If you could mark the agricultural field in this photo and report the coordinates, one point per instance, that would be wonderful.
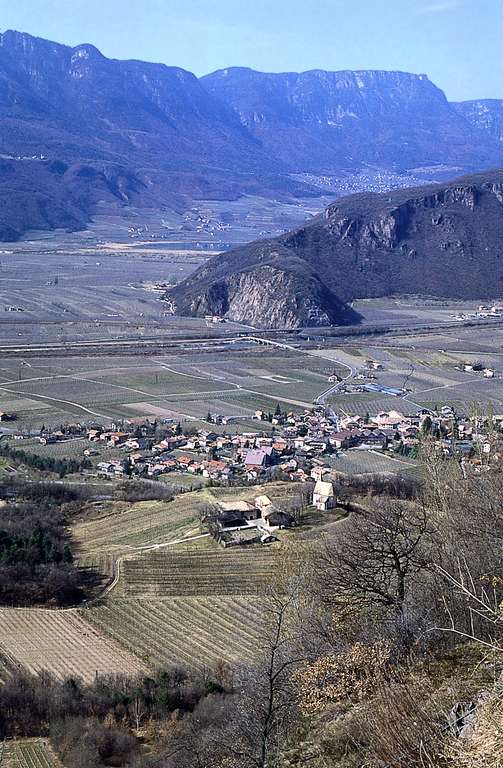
(235, 380)
(61, 642)
(370, 462)
(432, 377)
(110, 525)
(371, 403)
(408, 310)
(28, 753)
(182, 386)
(198, 632)
(200, 571)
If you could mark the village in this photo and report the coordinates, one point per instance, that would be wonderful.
(286, 445)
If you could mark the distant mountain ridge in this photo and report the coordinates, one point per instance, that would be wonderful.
(323, 121)
(79, 129)
(443, 240)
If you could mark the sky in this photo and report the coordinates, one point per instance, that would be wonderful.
(455, 42)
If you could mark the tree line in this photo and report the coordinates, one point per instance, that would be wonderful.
(36, 557)
(60, 467)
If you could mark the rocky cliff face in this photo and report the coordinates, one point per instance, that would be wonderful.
(114, 107)
(231, 133)
(330, 120)
(270, 297)
(485, 115)
(439, 240)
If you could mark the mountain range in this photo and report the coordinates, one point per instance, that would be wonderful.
(79, 129)
(442, 240)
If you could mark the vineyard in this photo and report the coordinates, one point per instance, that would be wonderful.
(197, 572)
(61, 642)
(120, 524)
(8, 665)
(103, 562)
(29, 753)
(197, 632)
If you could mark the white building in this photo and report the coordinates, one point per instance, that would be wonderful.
(324, 496)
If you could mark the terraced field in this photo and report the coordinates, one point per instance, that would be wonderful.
(61, 642)
(197, 632)
(28, 753)
(119, 524)
(371, 403)
(200, 571)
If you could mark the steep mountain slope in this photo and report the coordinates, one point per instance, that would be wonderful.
(440, 240)
(153, 136)
(322, 121)
(486, 115)
(74, 101)
(157, 124)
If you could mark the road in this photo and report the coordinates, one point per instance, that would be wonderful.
(143, 548)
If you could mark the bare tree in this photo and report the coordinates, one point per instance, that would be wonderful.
(483, 599)
(249, 728)
(376, 555)
(137, 710)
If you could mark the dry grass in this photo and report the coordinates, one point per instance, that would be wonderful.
(483, 748)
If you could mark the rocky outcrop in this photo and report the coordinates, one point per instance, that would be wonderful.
(268, 297)
(485, 115)
(438, 240)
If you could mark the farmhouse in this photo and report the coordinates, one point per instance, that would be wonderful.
(263, 503)
(259, 458)
(110, 468)
(345, 439)
(271, 518)
(236, 513)
(114, 439)
(214, 469)
(391, 419)
(319, 470)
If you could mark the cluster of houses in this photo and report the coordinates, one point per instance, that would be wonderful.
(477, 367)
(243, 522)
(301, 446)
(304, 446)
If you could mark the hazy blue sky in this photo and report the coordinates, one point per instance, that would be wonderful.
(456, 42)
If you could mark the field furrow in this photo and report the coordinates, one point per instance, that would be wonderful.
(197, 632)
(200, 572)
(61, 642)
(28, 753)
